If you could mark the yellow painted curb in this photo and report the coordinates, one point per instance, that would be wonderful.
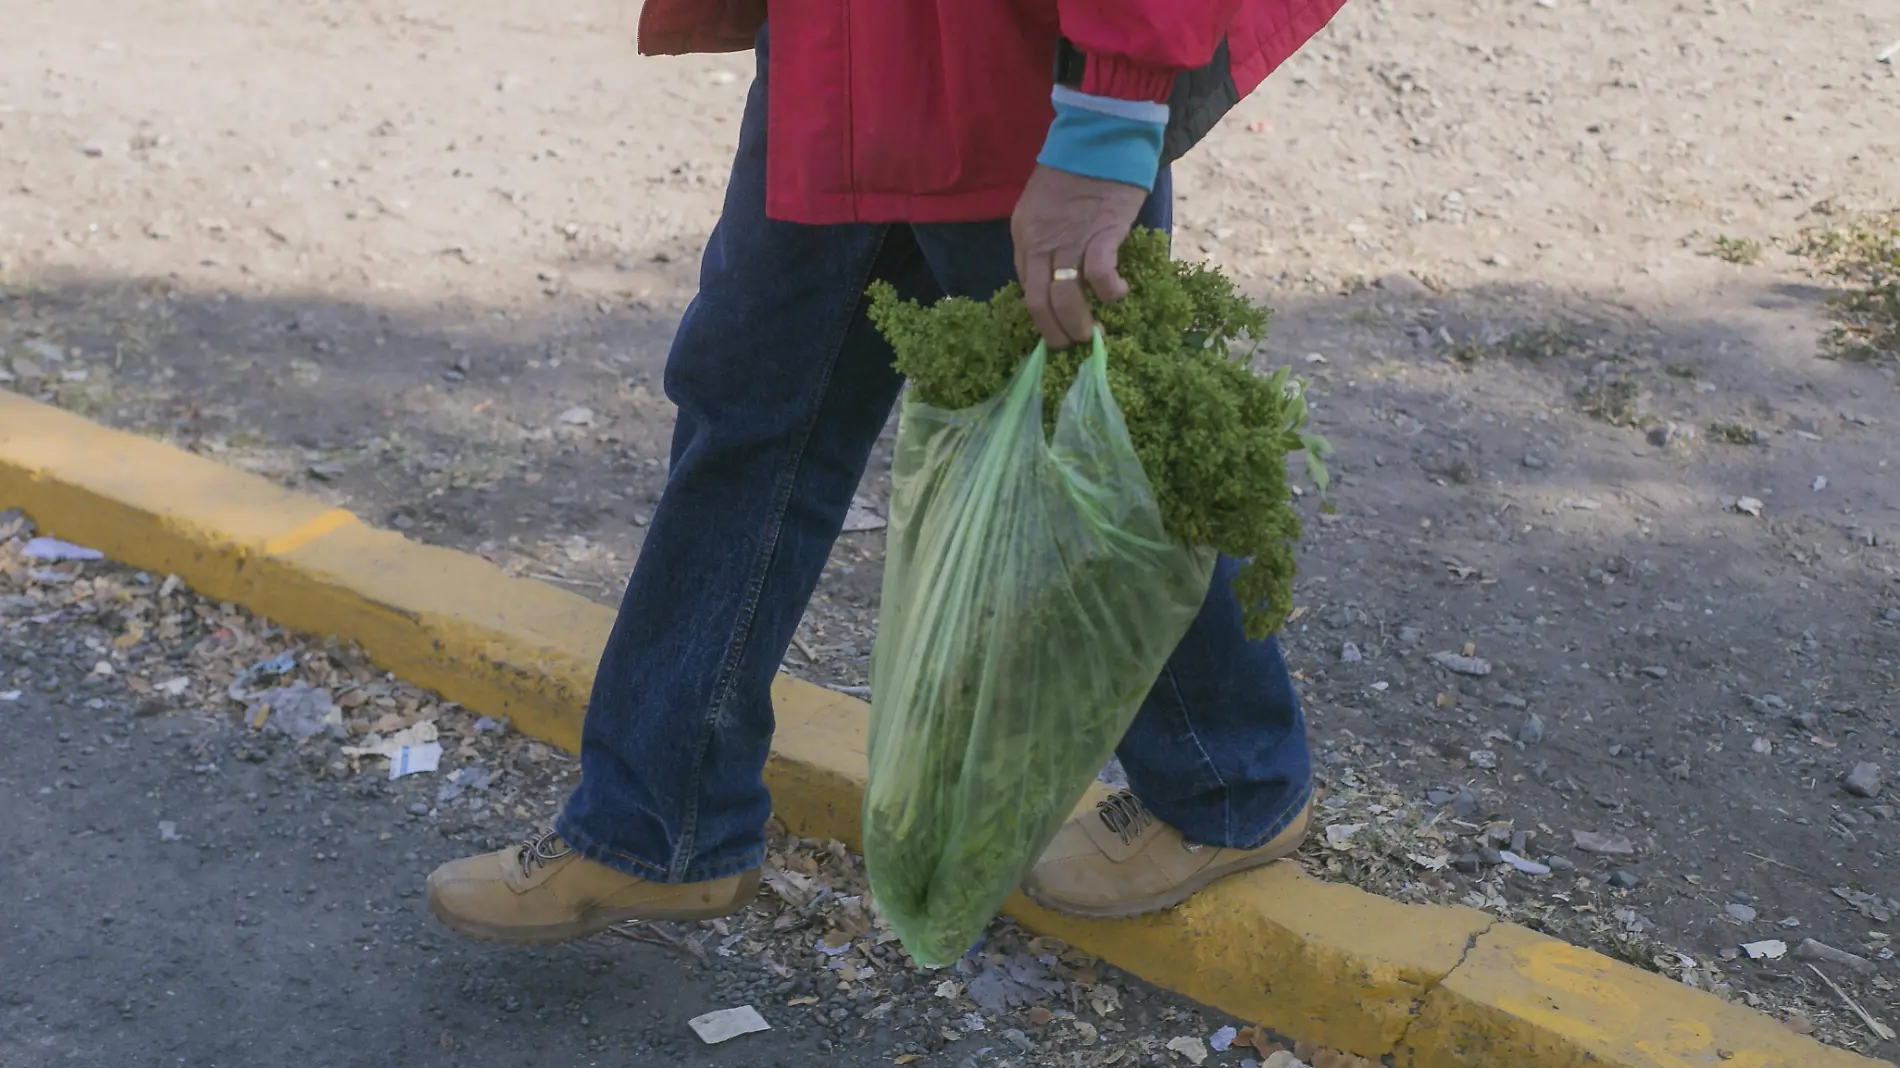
(1431, 987)
(1523, 998)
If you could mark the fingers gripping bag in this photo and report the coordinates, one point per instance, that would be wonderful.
(1031, 598)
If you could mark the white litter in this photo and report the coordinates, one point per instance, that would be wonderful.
(1191, 1048)
(1223, 1040)
(411, 751)
(1338, 834)
(12, 695)
(728, 1024)
(1770, 949)
(53, 550)
(415, 759)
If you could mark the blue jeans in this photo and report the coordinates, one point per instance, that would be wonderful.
(783, 387)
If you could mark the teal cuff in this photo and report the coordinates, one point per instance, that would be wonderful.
(1100, 137)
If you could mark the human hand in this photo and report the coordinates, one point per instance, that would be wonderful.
(1068, 230)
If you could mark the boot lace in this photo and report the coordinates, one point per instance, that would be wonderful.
(540, 849)
(1125, 816)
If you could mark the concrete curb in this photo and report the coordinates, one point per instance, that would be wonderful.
(1426, 986)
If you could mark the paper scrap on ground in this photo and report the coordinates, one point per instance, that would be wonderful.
(53, 550)
(727, 1024)
(1339, 834)
(410, 751)
(12, 695)
(415, 759)
(1769, 949)
(1192, 1048)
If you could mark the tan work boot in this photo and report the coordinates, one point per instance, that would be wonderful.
(1120, 861)
(542, 891)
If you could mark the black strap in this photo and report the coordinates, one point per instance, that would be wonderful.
(1071, 64)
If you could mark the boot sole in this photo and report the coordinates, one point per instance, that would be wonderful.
(593, 923)
(1128, 910)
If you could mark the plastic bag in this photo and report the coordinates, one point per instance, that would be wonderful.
(1030, 601)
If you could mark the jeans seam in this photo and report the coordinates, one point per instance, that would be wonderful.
(727, 680)
(1227, 799)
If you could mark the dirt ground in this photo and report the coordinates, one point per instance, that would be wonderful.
(1539, 259)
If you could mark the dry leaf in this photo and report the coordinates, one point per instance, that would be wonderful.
(1257, 1038)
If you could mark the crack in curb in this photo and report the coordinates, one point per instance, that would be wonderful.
(1418, 1003)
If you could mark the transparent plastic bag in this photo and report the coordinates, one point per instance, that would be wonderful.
(1031, 599)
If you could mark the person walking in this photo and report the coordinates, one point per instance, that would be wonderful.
(947, 147)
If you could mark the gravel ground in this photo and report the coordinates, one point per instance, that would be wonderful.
(217, 891)
(1552, 270)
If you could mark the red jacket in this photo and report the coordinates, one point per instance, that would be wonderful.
(934, 110)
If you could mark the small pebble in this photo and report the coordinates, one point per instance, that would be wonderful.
(1625, 880)
(1737, 911)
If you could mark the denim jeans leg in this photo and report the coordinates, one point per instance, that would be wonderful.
(782, 387)
(1219, 751)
